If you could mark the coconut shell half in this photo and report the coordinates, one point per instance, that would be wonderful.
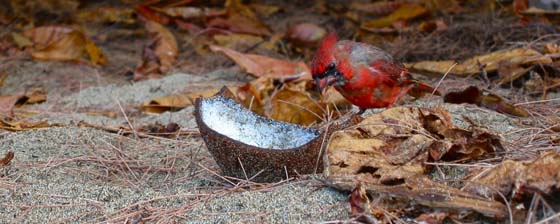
(251, 147)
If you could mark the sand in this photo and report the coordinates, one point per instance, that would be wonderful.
(82, 175)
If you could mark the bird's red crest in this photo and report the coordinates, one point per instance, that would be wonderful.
(324, 55)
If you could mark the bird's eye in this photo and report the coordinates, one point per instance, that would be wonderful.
(331, 66)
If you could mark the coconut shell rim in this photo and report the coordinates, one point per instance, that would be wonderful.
(226, 93)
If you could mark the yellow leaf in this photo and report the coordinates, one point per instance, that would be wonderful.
(21, 41)
(404, 12)
(175, 102)
(95, 54)
(68, 48)
(489, 62)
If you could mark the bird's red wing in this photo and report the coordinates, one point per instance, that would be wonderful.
(393, 71)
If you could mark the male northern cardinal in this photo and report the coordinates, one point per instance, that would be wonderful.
(365, 75)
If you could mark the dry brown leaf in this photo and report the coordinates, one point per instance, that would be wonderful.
(305, 34)
(294, 106)
(431, 218)
(191, 12)
(510, 72)
(159, 56)
(541, 175)
(148, 13)
(174, 102)
(237, 41)
(359, 200)
(379, 8)
(68, 48)
(261, 66)
(53, 8)
(21, 41)
(7, 159)
(23, 126)
(404, 13)
(414, 190)
(169, 130)
(446, 6)
(290, 103)
(294, 102)
(264, 10)
(473, 95)
(45, 35)
(237, 7)
(488, 63)
(7, 103)
(108, 15)
(96, 56)
(240, 24)
(63, 44)
(386, 152)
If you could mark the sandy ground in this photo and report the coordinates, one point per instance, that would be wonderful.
(74, 174)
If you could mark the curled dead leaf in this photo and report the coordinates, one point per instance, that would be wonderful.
(240, 24)
(11, 125)
(150, 14)
(387, 153)
(405, 13)
(7, 159)
(474, 95)
(488, 63)
(63, 44)
(191, 12)
(159, 56)
(305, 34)
(174, 102)
(7, 103)
(520, 177)
(259, 65)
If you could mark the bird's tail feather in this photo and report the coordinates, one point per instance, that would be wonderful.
(420, 89)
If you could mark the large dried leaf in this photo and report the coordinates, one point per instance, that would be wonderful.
(305, 34)
(293, 102)
(159, 56)
(404, 13)
(386, 152)
(29, 10)
(69, 48)
(174, 102)
(107, 15)
(488, 63)
(7, 103)
(237, 41)
(7, 159)
(63, 44)
(261, 66)
(45, 35)
(473, 95)
(24, 126)
(150, 14)
(191, 12)
(294, 106)
(416, 190)
(237, 7)
(240, 24)
(264, 10)
(379, 8)
(541, 175)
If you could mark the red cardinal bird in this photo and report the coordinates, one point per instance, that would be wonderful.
(365, 75)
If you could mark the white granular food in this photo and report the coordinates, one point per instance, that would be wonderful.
(229, 118)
